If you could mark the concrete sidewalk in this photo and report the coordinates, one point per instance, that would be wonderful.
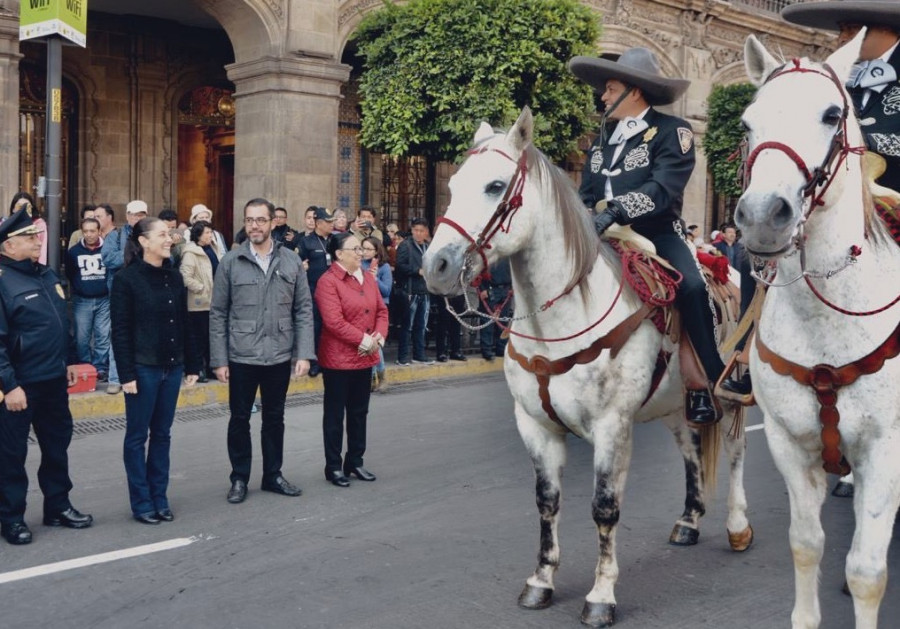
(100, 404)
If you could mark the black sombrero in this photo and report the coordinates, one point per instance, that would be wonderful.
(636, 66)
(829, 15)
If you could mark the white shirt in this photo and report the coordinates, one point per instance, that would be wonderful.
(885, 57)
(607, 190)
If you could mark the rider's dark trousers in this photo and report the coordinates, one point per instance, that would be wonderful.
(693, 301)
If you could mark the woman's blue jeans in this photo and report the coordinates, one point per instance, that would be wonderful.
(150, 411)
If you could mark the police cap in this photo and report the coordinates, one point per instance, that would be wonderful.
(19, 224)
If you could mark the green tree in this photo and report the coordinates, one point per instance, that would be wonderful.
(434, 69)
(725, 105)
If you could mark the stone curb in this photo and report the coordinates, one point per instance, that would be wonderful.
(100, 404)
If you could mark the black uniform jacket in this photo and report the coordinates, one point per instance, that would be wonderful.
(880, 124)
(35, 343)
(313, 249)
(649, 176)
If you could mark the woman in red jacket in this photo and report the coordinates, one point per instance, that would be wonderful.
(354, 326)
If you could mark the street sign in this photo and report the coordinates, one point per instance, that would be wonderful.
(41, 18)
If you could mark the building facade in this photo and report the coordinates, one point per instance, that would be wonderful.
(180, 102)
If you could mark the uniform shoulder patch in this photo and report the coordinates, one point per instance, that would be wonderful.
(685, 139)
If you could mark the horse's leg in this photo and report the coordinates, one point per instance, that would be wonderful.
(740, 533)
(875, 503)
(612, 454)
(806, 484)
(547, 449)
(687, 528)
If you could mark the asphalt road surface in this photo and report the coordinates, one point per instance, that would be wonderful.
(445, 538)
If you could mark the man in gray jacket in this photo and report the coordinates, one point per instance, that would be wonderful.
(260, 324)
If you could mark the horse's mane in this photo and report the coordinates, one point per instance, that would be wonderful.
(581, 242)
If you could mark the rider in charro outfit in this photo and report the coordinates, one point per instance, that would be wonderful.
(636, 175)
(874, 85)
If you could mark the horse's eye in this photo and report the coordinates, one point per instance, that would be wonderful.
(832, 116)
(495, 187)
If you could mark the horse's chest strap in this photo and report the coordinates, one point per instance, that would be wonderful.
(826, 380)
(542, 367)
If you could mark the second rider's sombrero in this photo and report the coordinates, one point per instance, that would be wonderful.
(636, 66)
(829, 15)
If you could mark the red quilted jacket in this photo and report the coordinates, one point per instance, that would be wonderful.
(348, 311)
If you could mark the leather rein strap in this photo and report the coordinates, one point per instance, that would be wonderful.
(542, 367)
(826, 380)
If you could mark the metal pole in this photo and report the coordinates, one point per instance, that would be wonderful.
(52, 164)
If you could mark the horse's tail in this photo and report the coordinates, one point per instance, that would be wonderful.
(710, 444)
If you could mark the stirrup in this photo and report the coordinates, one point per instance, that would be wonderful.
(732, 365)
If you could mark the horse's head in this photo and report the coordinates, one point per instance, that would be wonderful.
(800, 128)
(475, 229)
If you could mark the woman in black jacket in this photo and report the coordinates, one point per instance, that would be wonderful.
(153, 351)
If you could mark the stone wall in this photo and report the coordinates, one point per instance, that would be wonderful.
(282, 58)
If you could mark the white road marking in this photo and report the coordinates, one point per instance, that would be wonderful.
(92, 560)
(753, 427)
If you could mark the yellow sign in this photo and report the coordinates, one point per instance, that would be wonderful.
(41, 18)
(57, 105)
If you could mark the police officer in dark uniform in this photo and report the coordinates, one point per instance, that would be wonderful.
(636, 174)
(313, 250)
(35, 351)
(874, 85)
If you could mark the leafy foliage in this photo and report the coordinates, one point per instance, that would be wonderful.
(725, 105)
(434, 69)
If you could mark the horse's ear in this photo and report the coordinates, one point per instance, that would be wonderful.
(843, 59)
(522, 132)
(757, 61)
(484, 132)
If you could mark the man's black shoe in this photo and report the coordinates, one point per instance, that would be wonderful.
(147, 518)
(238, 492)
(701, 409)
(458, 356)
(442, 358)
(488, 357)
(336, 477)
(16, 533)
(314, 370)
(70, 518)
(280, 485)
(741, 386)
(165, 515)
(360, 472)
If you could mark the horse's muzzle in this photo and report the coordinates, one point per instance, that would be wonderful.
(767, 221)
(443, 268)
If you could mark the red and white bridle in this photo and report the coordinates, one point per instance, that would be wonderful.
(501, 219)
(818, 180)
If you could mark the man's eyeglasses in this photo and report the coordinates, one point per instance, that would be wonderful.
(353, 249)
(259, 220)
(279, 217)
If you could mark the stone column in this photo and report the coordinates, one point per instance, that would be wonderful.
(286, 131)
(9, 108)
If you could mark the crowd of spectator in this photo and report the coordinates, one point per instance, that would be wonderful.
(156, 304)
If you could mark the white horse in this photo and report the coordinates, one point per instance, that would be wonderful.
(594, 383)
(828, 336)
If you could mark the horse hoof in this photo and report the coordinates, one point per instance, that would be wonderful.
(843, 490)
(533, 597)
(741, 540)
(684, 536)
(598, 614)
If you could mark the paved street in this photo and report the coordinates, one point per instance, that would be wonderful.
(444, 538)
